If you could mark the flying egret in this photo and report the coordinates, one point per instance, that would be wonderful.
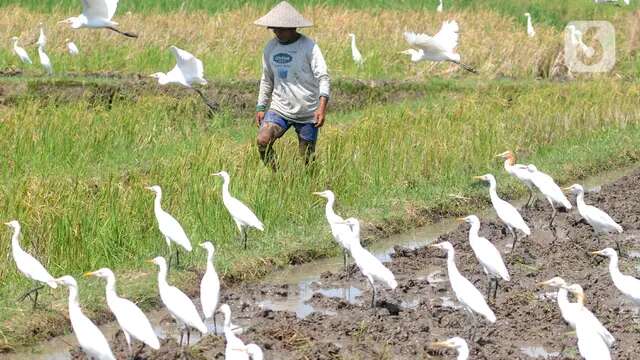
(241, 214)
(169, 226)
(42, 38)
(530, 31)
(440, 7)
(97, 14)
(177, 303)
(209, 286)
(519, 171)
(590, 343)
(628, 285)
(90, 338)
(45, 61)
(131, 319)
(339, 230)
(599, 220)
(467, 294)
(488, 256)
(457, 343)
(506, 212)
(28, 265)
(440, 47)
(20, 51)
(235, 348)
(355, 53)
(550, 190)
(575, 39)
(368, 264)
(188, 71)
(73, 49)
(571, 311)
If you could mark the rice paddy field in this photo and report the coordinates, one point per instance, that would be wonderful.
(79, 147)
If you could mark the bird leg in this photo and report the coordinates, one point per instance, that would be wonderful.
(211, 104)
(617, 247)
(515, 239)
(139, 351)
(465, 66)
(489, 288)
(373, 296)
(125, 33)
(181, 337)
(32, 291)
(177, 257)
(188, 335)
(495, 291)
(553, 216)
(128, 338)
(527, 204)
(244, 240)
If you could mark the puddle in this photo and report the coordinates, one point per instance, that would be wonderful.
(538, 352)
(305, 281)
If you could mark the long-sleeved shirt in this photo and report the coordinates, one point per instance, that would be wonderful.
(294, 77)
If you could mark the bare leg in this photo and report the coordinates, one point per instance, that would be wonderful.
(267, 136)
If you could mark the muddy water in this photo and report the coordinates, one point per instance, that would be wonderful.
(314, 289)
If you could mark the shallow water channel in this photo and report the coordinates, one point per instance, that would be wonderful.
(306, 280)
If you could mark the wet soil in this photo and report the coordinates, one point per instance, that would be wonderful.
(421, 310)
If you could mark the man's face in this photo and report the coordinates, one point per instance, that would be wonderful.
(285, 34)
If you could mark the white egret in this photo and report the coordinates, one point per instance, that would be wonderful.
(132, 321)
(369, 265)
(519, 171)
(628, 285)
(571, 311)
(530, 31)
(255, 352)
(45, 61)
(42, 38)
(506, 212)
(550, 190)
(169, 226)
(467, 294)
(209, 286)
(599, 220)
(73, 49)
(28, 265)
(241, 214)
(97, 14)
(590, 343)
(20, 51)
(177, 303)
(440, 7)
(90, 338)
(440, 47)
(355, 53)
(488, 256)
(235, 348)
(575, 39)
(457, 343)
(339, 230)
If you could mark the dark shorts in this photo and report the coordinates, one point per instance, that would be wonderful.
(305, 131)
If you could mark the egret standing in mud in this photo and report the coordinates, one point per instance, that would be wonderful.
(241, 214)
(368, 264)
(28, 265)
(209, 286)
(187, 72)
(457, 343)
(440, 47)
(355, 53)
(235, 349)
(20, 51)
(488, 256)
(628, 285)
(132, 321)
(169, 226)
(591, 345)
(506, 212)
(339, 229)
(90, 338)
(177, 303)
(550, 190)
(599, 220)
(530, 31)
(572, 311)
(97, 14)
(470, 298)
(519, 171)
(44, 60)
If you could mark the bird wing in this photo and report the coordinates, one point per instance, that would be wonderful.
(371, 265)
(490, 257)
(32, 268)
(599, 217)
(241, 212)
(598, 327)
(179, 304)
(97, 9)
(471, 297)
(171, 228)
(590, 344)
(521, 172)
(133, 320)
(447, 37)
(89, 336)
(510, 215)
(549, 188)
(112, 5)
(209, 292)
(424, 42)
(22, 54)
(190, 66)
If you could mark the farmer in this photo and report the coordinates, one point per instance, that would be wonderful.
(294, 89)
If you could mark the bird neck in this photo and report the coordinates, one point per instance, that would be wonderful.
(328, 208)
(15, 245)
(225, 188)
(580, 200)
(162, 276)
(210, 259)
(227, 324)
(452, 269)
(156, 203)
(493, 190)
(614, 269)
(563, 298)
(110, 289)
(74, 305)
(474, 231)
(353, 42)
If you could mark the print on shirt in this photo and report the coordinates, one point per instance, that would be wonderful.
(282, 62)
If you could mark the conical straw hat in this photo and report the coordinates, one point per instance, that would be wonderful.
(283, 16)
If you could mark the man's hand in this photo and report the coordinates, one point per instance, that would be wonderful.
(320, 113)
(259, 117)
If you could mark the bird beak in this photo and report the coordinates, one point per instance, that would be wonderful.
(87, 274)
(461, 219)
(478, 178)
(544, 283)
(440, 344)
(148, 188)
(215, 174)
(566, 188)
(596, 253)
(317, 193)
(8, 224)
(201, 245)
(149, 261)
